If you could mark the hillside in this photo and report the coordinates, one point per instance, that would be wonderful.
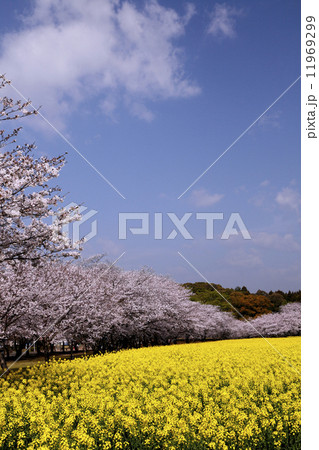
(248, 304)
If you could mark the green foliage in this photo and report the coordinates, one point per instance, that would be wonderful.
(247, 304)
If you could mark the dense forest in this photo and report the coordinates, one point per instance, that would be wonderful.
(247, 304)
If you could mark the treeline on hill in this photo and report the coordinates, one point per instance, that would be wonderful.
(248, 305)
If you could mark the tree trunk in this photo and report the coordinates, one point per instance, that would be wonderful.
(18, 349)
(6, 351)
(46, 351)
(38, 347)
(27, 345)
(3, 362)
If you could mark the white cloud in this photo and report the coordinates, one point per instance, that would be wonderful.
(241, 258)
(140, 111)
(271, 119)
(264, 183)
(259, 199)
(223, 21)
(67, 52)
(201, 197)
(288, 198)
(275, 241)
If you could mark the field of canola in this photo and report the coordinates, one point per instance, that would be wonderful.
(215, 395)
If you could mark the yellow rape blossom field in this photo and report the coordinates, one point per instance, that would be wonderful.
(236, 394)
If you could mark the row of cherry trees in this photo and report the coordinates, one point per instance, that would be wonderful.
(105, 308)
(99, 306)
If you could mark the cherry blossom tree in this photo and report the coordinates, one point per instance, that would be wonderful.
(42, 303)
(285, 322)
(209, 322)
(31, 218)
(131, 309)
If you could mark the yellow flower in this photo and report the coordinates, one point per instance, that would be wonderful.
(214, 395)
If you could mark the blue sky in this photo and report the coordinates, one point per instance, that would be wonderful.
(152, 95)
